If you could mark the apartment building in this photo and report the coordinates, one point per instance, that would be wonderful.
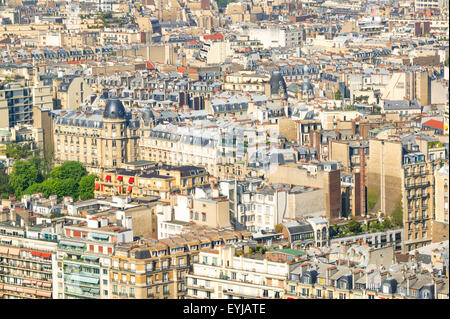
(246, 82)
(348, 153)
(27, 262)
(220, 151)
(99, 140)
(146, 269)
(384, 173)
(419, 191)
(328, 281)
(271, 204)
(409, 86)
(71, 91)
(174, 146)
(325, 175)
(211, 211)
(84, 258)
(429, 4)
(222, 274)
(160, 182)
(16, 103)
(439, 226)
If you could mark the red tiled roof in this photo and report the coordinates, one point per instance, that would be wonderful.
(214, 37)
(434, 124)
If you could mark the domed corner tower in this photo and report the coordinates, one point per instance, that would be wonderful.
(278, 88)
(115, 133)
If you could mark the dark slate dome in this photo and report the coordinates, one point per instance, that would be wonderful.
(114, 109)
(276, 82)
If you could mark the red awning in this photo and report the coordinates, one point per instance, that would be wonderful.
(120, 178)
(36, 253)
(46, 255)
(129, 189)
(101, 187)
(120, 189)
(131, 180)
(97, 186)
(108, 177)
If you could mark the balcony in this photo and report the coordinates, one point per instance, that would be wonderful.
(417, 185)
(81, 293)
(200, 288)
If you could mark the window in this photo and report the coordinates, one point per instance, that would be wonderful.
(319, 293)
(330, 295)
(131, 292)
(265, 293)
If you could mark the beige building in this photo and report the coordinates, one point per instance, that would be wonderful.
(322, 175)
(440, 230)
(221, 274)
(213, 212)
(99, 140)
(147, 270)
(27, 265)
(151, 182)
(246, 81)
(409, 86)
(71, 91)
(384, 174)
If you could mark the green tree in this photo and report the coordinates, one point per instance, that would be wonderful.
(42, 165)
(354, 227)
(337, 95)
(278, 228)
(387, 224)
(70, 169)
(334, 230)
(5, 188)
(86, 187)
(223, 3)
(59, 187)
(17, 151)
(23, 175)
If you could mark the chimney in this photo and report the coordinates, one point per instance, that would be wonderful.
(408, 282)
(330, 271)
